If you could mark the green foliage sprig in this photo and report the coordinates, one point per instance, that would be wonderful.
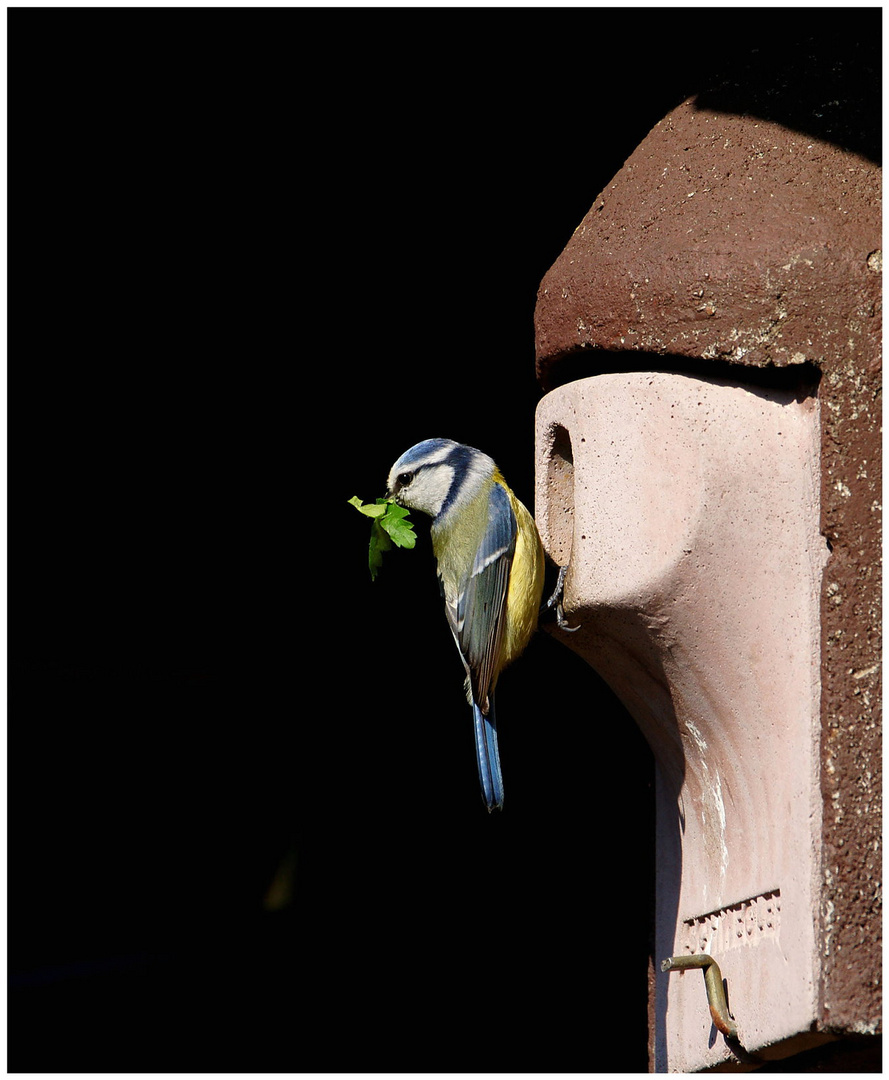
(389, 525)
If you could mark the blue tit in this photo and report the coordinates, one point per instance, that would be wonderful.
(490, 570)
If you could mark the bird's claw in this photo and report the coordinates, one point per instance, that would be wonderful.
(555, 601)
(562, 622)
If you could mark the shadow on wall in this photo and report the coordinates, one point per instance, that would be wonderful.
(828, 89)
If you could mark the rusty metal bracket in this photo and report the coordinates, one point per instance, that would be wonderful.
(716, 999)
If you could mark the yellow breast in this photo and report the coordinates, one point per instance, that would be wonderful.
(525, 582)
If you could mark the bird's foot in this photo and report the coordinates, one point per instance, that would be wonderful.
(555, 601)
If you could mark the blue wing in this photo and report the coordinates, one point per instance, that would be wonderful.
(481, 606)
(478, 627)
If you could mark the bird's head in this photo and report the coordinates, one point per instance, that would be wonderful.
(437, 474)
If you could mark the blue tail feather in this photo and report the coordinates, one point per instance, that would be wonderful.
(488, 756)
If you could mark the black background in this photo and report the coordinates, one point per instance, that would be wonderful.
(255, 256)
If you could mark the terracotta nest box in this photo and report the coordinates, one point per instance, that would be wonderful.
(708, 468)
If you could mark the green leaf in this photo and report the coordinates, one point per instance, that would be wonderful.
(389, 526)
(373, 510)
(396, 524)
(379, 542)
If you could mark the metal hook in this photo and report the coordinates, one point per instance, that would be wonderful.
(715, 990)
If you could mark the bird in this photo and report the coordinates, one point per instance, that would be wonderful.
(490, 565)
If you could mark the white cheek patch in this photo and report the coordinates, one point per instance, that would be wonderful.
(430, 487)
